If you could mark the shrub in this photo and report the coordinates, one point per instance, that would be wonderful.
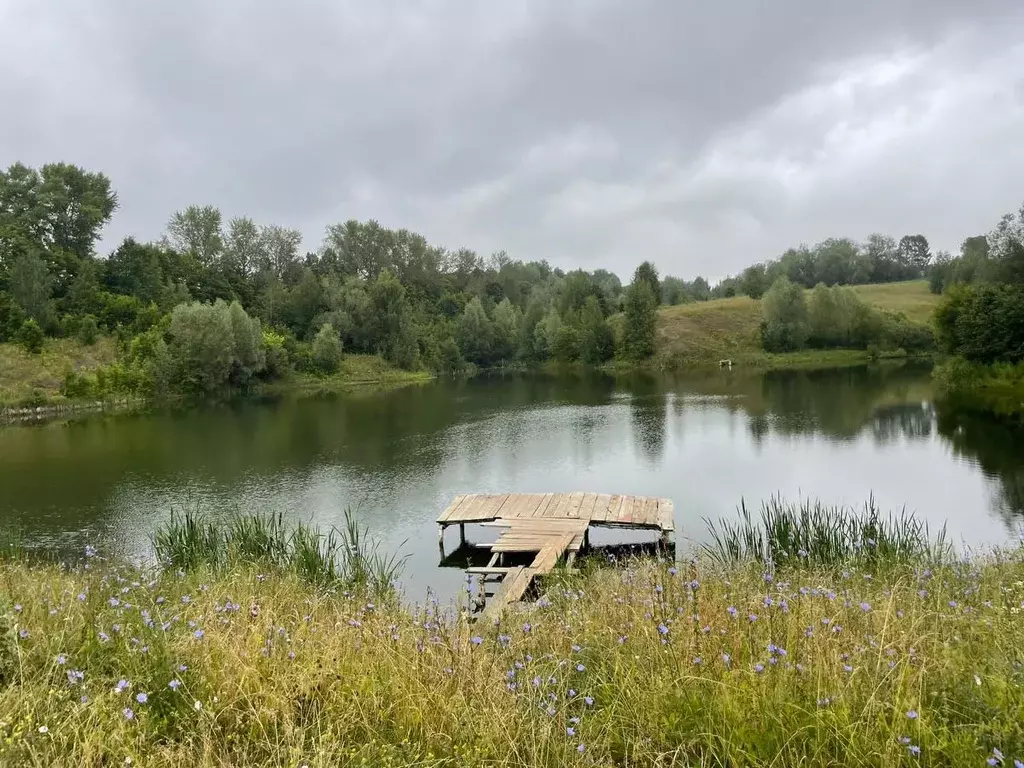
(784, 325)
(77, 386)
(88, 330)
(326, 350)
(30, 336)
(641, 316)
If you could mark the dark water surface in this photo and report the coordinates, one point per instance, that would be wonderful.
(398, 457)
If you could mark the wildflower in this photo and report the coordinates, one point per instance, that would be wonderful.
(128, 714)
(662, 629)
(914, 750)
(142, 698)
(527, 627)
(44, 729)
(580, 667)
(504, 639)
(198, 705)
(183, 667)
(81, 597)
(122, 686)
(752, 617)
(588, 700)
(912, 714)
(731, 610)
(113, 602)
(622, 639)
(570, 731)
(62, 659)
(199, 634)
(904, 740)
(581, 748)
(997, 757)
(767, 601)
(726, 658)
(694, 584)
(865, 607)
(476, 640)
(17, 607)
(23, 634)
(672, 571)
(759, 668)
(175, 684)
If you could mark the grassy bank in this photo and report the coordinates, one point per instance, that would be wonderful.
(863, 663)
(356, 372)
(36, 379)
(994, 389)
(703, 333)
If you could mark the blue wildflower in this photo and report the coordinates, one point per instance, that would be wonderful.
(142, 698)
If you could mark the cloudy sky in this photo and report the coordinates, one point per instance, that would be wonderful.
(593, 133)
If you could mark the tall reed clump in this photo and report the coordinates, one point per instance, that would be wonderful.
(815, 533)
(348, 556)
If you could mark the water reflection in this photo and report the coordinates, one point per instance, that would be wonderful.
(704, 439)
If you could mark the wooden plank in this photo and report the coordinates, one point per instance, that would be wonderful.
(626, 510)
(547, 558)
(587, 506)
(487, 506)
(451, 508)
(649, 515)
(542, 507)
(575, 502)
(557, 506)
(489, 570)
(666, 515)
(528, 505)
(612, 513)
(512, 588)
(604, 501)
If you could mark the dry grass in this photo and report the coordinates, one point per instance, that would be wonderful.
(645, 665)
(911, 297)
(705, 332)
(22, 375)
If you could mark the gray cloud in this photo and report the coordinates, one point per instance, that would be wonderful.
(589, 132)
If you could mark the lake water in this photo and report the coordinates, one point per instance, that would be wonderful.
(397, 458)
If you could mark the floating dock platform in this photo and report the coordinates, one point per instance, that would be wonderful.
(548, 524)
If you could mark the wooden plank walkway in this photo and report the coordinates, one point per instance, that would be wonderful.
(549, 524)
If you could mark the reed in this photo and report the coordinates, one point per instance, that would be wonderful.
(811, 532)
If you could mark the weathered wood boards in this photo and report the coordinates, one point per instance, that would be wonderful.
(548, 524)
(595, 508)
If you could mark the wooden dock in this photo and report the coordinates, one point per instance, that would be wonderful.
(548, 524)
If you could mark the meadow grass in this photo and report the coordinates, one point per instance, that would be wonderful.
(705, 332)
(644, 663)
(25, 377)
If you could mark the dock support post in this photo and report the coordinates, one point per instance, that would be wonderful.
(440, 539)
(462, 534)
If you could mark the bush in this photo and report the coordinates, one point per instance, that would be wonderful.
(641, 311)
(784, 324)
(78, 387)
(30, 336)
(983, 323)
(326, 350)
(88, 330)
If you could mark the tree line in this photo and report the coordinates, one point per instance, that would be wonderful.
(215, 304)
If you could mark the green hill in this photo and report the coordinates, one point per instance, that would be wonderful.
(708, 331)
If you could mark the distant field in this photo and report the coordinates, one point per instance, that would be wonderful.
(729, 328)
(22, 374)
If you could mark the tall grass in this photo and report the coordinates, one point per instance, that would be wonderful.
(811, 532)
(348, 556)
(643, 665)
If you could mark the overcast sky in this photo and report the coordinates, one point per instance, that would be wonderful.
(593, 133)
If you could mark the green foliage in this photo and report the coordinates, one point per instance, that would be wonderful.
(983, 323)
(784, 324)
(30, 336)
(546, 334)
(837, 317)
(11, 317)
(597, 342)
(32, 288)
(474, 334)
(646, 273)
(641, 315)
(506, 323)
(213, 346)
(566, 348)
(326, 350)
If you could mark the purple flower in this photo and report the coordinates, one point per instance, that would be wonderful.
(580, 667)
(122, 686)
(726, 658)
(142, 698)
(128, 714)
(175, 684)
(752, 617)
(527, 627)
(865, 607)
(199, 634)
(694, 584)
(663, 629)
(672, 571)
(476, 640)
(914, 750)
(732, 611)
(912, 714)
(23, 634)
(581, 748)
(113, 602)
(570, 731)
(759, 668)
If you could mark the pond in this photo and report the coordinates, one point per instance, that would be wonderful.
(396, 458)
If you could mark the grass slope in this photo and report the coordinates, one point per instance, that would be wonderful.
(644, 665)
(22, 375)
(705, 332)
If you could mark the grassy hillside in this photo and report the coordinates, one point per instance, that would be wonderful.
(729, 328)
(23, 375)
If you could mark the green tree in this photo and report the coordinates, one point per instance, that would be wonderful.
(135, 269)
(641, 315)
(754, 281)
(197, 231)
(76, 205)
(597, 343)
(506, 321)
(210, 344)
(30, 336)
(647, 273)
(248, 357)
(915, 253)
(88, 331)
(546, 334)
(394, 333)
(474, 334)
(32, 288)
(784, 326)
(327, 350)
(244, 247)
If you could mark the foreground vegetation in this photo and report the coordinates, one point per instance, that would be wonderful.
(240, 652)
